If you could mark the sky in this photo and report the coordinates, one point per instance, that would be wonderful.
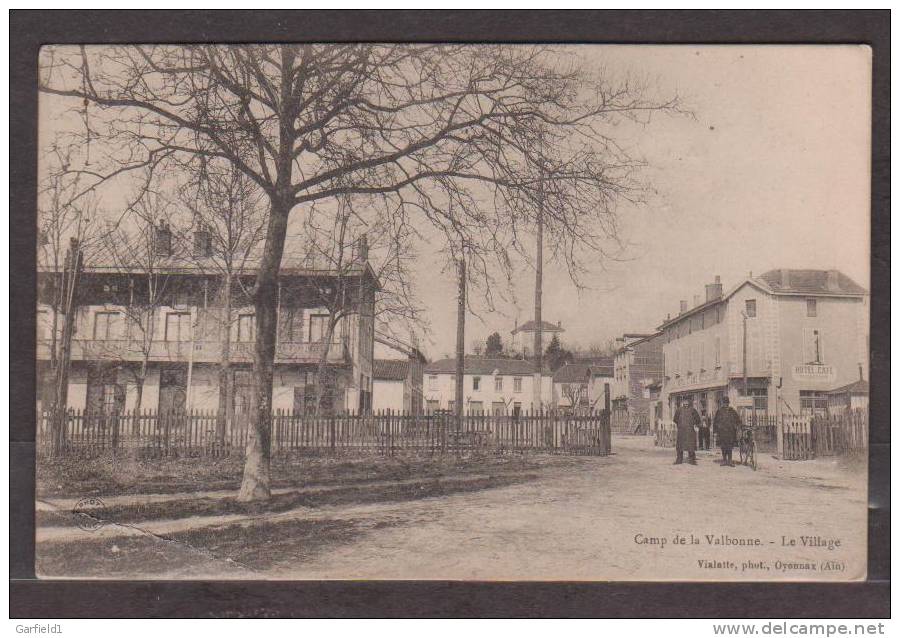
(770, 171)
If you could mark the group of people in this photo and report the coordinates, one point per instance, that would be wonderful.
(726, 425)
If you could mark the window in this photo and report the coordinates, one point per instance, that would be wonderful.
(517, 384)
(498, 384)
(813, 402)
(44, 325)
(318, 326)
(476, 407)
(292, 325)
(476, 384)
(107, 325)
(246, 328)
(811, 310)
(431, 406)
(178, 326)
(750, 307)
(432, 382)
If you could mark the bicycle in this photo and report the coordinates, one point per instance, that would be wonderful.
(747, 448)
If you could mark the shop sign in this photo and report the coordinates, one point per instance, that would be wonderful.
(814, 372)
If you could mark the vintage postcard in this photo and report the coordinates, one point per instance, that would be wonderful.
(474, 312)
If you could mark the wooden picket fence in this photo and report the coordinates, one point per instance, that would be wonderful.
(147, 433)
(803, 437)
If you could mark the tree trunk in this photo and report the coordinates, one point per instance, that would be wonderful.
(139, 384)
(256, 484)
(226, 380)
(323, 363)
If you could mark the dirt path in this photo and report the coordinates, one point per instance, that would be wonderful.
(578, 521)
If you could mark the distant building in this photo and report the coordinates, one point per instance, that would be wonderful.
(852, 396)
(775, 344)
(397, 384)
(523, 336)
(490, 386)
(584, 384)
(638, 374)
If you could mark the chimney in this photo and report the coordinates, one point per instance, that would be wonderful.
(832, 282)
(784, 276)
(682, 306)
(363, 249)
(202, 242)
(559, 324)
(162, 239)
(696, 300)
(714, 290)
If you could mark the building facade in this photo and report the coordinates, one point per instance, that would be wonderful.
(585, 383)
(398, 385)
(775, 344)
(490, 386)
(639, 369)
(161, 349)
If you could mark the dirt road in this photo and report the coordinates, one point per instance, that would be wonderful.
(584, 525)
(614, 518)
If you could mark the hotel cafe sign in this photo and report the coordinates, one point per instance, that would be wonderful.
(815, 372)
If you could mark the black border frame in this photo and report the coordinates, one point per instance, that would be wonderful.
(97, 599)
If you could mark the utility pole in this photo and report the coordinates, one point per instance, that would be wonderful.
(460, 342)
(71, 272)
(538, 290)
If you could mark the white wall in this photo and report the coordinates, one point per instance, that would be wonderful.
(387, 395)
(445, 391)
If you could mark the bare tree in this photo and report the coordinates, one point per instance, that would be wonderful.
(60, 219)
(342, 241)
(141, 250)
(227, 221)
(448, 132)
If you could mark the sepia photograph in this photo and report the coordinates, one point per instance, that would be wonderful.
(466, 312)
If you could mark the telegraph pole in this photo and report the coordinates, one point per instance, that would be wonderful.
(538, 289)
(460, 342)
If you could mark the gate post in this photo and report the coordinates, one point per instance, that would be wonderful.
(779, 438)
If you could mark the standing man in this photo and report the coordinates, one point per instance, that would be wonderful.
(726, 425)
(686, 419)
(704, 432)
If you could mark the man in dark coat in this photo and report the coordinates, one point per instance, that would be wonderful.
(726, 426)
(686, 419)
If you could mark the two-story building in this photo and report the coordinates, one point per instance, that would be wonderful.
(638, 364)
(156, 340)
(490, 386)
(775, 344)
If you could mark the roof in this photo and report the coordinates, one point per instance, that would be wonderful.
(784, 281)
(857, 387)
(481, 365)
(390, 369)
(571, 373)
(811, 282)
(638, 339)
(602, 368)
(531, 326)
(133, 257)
